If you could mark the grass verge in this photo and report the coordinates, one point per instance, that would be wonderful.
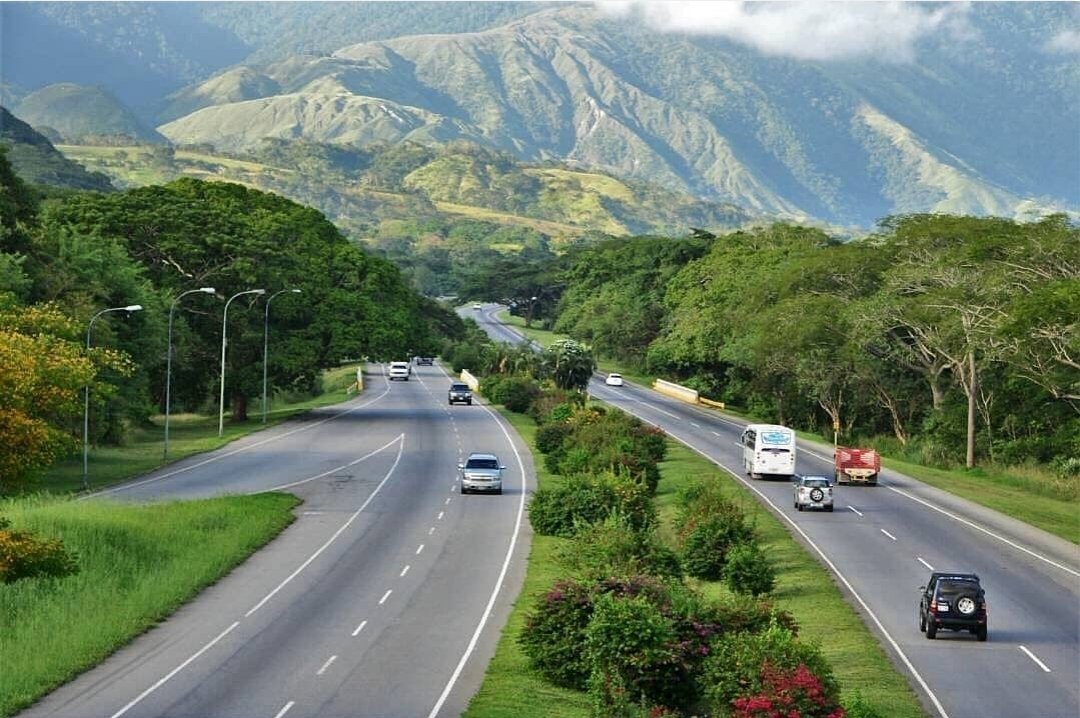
(510, 689)
(188, 434)
(137, 564)
(803, 587)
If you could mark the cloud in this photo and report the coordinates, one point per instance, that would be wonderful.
(1067, 41)
(887, 31)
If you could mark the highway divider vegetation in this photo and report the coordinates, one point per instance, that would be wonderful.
(943, 340)
(78, 580)
(70, 255)
(627, 617)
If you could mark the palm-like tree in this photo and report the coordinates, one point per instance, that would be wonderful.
(569, 364)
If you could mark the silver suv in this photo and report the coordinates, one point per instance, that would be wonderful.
(813, 492)
(481, 472)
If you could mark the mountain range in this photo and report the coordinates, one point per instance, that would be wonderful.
(985, 120)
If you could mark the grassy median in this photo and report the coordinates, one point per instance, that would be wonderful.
(804, 588)
(137, 565)
(188, 434)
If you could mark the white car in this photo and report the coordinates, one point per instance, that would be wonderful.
(614, 379)
(476, 306)
(400, 370)
(813, 492)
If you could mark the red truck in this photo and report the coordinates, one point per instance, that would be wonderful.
(859, 466)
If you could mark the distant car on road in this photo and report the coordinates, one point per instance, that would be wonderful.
(813, 492)
(400, 370)
(425, 361)
(459, 392)
(477, 306)
(955, 602)
(614, 379)
(481, 472)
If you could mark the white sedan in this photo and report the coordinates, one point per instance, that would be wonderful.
(614, 379)
(477, 306)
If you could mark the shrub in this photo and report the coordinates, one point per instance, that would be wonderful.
(707, 542)
(553, 638)
(611, 440)
(555, 405)
(771, 666)
(855, 706)
(516, 393)
(613, 547)
(584, 499)
(550, 437)
(748, 570)
(24, 556)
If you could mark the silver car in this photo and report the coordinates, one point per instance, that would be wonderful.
(813, 492)
(481, 472)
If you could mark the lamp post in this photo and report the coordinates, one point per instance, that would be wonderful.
(168, 361)
(86, 393)
(224, 330)
(266, 335)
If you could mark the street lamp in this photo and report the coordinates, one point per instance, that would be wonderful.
(168, 361)
(224, 330)
(266, 334)
(86, 393)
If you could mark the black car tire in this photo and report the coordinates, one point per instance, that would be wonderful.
(981, 633)
(931, 630)
(799, 507)
(922, 622)
(973, 599)
(468, 402)
(829, 508)
(816, 495)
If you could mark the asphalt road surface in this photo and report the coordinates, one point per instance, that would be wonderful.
(880, 544)
(384, 599)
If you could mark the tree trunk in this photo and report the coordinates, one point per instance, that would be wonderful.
(937, 395)
(972, 390)
(239, 407)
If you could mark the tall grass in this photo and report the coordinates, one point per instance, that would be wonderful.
(138, 564)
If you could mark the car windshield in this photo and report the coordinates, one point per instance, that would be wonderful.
(948, 589)
(819, 483)
(615, 376)
(482, 464)
(458, 387)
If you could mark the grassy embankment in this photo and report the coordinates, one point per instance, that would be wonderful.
(137, 564)
(1030, 494)
(188, 434)
(803, 587)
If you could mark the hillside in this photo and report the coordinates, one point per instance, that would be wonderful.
(37, 161)
(76, 112)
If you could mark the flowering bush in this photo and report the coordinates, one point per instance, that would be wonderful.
(788, 693)
(24, 556)
(554, 635)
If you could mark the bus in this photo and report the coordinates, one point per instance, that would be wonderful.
(768, 449)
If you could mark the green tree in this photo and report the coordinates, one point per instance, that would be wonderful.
(567, 363)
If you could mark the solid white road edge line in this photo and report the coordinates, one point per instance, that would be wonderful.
(881, 627)
(502, 573)
(924, 563)
(176, 670)
(305, 564)
(1035, 658)
(234, 452)
(285, 709)
(887, 534)
(326, 665)
(331, 471)
(359, 628)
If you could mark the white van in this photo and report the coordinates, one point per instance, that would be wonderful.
(400, 370)
(768, 449)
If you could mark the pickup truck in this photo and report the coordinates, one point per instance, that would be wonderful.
(860, 466)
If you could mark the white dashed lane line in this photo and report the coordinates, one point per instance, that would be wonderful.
(419, 549)
(1035, 658)
(385, 596)
(855, 510)
(359, 628)
(448, 502)
(404, 571)
(924, 563)
(326, 665)
(285, 709)
(439, 517)
(887, 534)
(431, 531)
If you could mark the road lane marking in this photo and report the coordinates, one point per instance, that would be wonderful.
(385, 596)
(1035, 658)
(305, 564)
(431, 531)
(887, 534)
(176, 670)
(359, 628)
(404, 571)
(988, 532)
(832, 567)
(447, 502)
(716, 433)
(855, 510)
(924, 563)
(419, 549)
(695, 425)
(285, 709)
(234, 452)
(439, 517)
(502, 572)
(326, 665)
(335, 469)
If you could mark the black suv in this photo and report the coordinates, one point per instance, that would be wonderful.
(460, 392)
(425, 361)
(953, 601)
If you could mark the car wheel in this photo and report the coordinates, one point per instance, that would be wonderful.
(931, 630)
(469, 402)
(799, 507)
(966, 605)
(922, 622)
(499, 491)
(980, 633)
(829, 509)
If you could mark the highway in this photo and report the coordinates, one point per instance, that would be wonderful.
(384, 598)
(881, 543)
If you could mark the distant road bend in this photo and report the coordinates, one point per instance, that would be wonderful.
(880, 545)
(384, 599)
